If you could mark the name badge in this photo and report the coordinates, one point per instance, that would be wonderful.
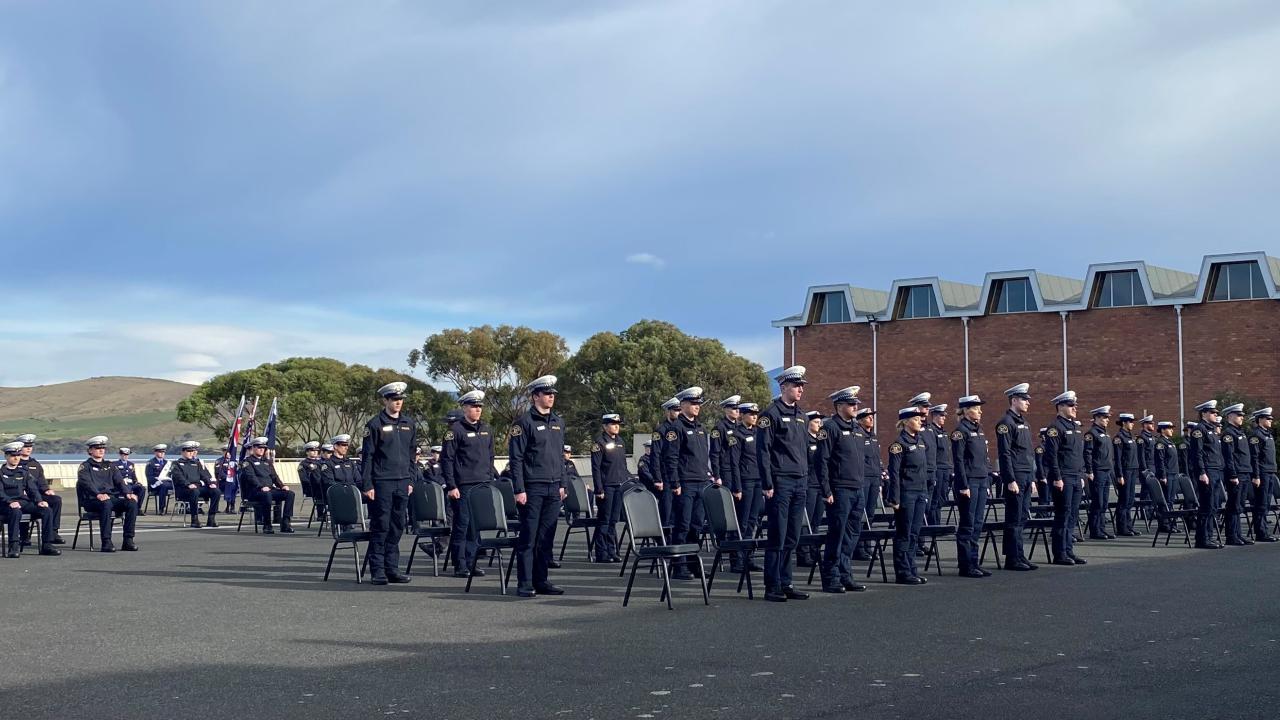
(786, 419)
(749, 439)
(386, 428)
(610, 446)
(471, 434)
(540, 428)
(844, 432)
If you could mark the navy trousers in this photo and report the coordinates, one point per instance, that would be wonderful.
(688, 521)
(1099, 498)
(973, 510)
(463, 538)
(786, 516)
(609, 511)
(1066, 508)
(907, 521)
(538, 518)
(386, 524)
(1124, 500)
(1017, 507)
(844, 527)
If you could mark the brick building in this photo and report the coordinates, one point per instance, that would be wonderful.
(1140, 338)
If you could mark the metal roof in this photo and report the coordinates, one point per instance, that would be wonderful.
(960, 296)
(1171, 283)
(1057, 290)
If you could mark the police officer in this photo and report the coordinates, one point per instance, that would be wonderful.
(100, 488)
(1126, 474)
(131, 480)
(36, 472)
(608, 473)
(19, 496)
(1237, 471)
(723, 471)
(1099, 469)
(161, 488)
(807, 556)
(782, 451)
(907, 492)
(645, 468)
(663, 486)
(1167, 470)
(1205, 460)
(535, 448)
(1146, 442)
(840, 464)
(193, 483)
(686, 466)
(943, 464)
(466, 462)
(1042, 482)
(1262, 461)
(308, 475)
(873, 477)
(224, 471)
(972, 483)
(260, 486)
(1017, 472)
(386, 463)
(923, 402)
(747, 492)
(1064, 471)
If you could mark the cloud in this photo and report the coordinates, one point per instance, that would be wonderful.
(196, 360)
(190, 377)
(647, 259)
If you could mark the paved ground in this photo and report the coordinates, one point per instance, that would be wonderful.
(205, 622)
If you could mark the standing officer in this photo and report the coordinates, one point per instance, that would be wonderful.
(19, 496)
(923, 402)
(840, 461)
(1017, 471)
(466, 461)
(907, 492)
(131, 481)
(1237, 469)
(193, 483)
(162, 488)
(873, 476)
(943, 465)
(386, 463)
(666, 492)
(722, 470)
(747, 472)
(36, 472)
(645, 468)
(1205, 460)
(1042, 481)
(815, 500)
(1146, 441)
(100, 488)
(1099, 469)
(224, 472)
(1262, 460)
(972, 481)
(1126, 474)
(783, 455)
(608, 473)
(537, 476)
(260, 486)
(686, 466)
(1167, 469)
(1064, 470)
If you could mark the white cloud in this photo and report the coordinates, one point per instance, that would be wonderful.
(196, 360)
(190, 377)
(647, 259)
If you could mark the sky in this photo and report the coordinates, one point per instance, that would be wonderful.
(197, 187)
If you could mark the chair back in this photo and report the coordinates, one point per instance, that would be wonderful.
(720, 510)
(344, 505)
(575, 498)
(508, 498)
(484, 503)
(428, 503)
(1188, 490)
(642, 516)
(1155, 493)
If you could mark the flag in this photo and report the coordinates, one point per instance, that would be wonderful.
(233, 442)
(248, 428)
(271, 429)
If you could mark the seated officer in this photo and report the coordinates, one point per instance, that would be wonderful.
(193, 483)
(260, 486)
(162, 487)
(19, 496)
(309, 469)
(131, 483)
(36, 473)
(101, 490)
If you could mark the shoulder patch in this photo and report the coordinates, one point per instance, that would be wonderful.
(957, 435)
(656, 436)
(1228, 437)
(1116, 440)
(822, 434)
(1254, 440)
(1053, 432)
(1039, 451)
(671, 436)
(732, 441)
(715, 433)
(595, 447)
(515, 431)
(895, 449)
(1088, 437)
(1002, 429)
(1197, 434)
(765, 422)
(449, 436)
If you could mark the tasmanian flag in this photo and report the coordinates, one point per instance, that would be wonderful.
(271, 430)
(248, 429)
(233, 443)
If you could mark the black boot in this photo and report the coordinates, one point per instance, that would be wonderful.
(213, 520)
(50, 550)
(15, 550)
(129, 545)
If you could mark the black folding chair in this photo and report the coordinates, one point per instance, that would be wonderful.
(1040, 529)
(489, 518)
(646, 524)
(724, 524)
(427, 505)
(933, 532)
(91, 518)
(347, 511)
(878, 538)
(577, 505)
(1164, 511)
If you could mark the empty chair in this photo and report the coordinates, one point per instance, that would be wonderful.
(426, 506)
(641, 509)
(718, 501)
(577, 505)
(347, 516)
(1155, 493)
(489, 520)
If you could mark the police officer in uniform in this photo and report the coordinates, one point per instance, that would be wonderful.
(1167, 469)
(100, 488)
(1126, 474)
(873, 477)
(608, 473)
(161, 488)
(1262, 460)
(1064, 470)
(747, 492)
(260, 486)
(224, 472)
(534, 447)
(782, 450)
(686, 466)
(645, 468)
(1017, 472)
(1237, 471)
(663, 486)
(19, 496)
(723, 471)
(807, 556)
(907, 492)
(1099, 469)
(923, 402)
(840, 464)
(36, 472)
(193, 483)
(386, 464)
(131, 480)
(1146, 441)
(943, 464)
(467, 463)
(972, 483)
(1205, 460)
(1042, 482)
(308, 474)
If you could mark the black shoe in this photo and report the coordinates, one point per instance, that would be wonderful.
(287, 529)
(398, 579)
(129, 546)
(462, 574)
(549, 589)
(735, 568)
(852, 586)
(861, 557)
(1246, 541)
(909, 581)
(553, 564)
(196, 524)
(1018, 565)
(923, 580)
(1065, 562)
(755, 566)
(378, 580)
(775, 596)
(1099, 537)
(57, 540)
(477, 573)
(1136, 533)
(1110, 536)
(1078, 561)
(266, 530)
(106, 547)
(1235, 542)
(794, 594)
(681, 575)
(985, 572)
(1127, 533)
(837, 589)
(1031, 564)
(50, 550)
(972, 574)
(212, 523)
(615, 559)
(1268, 538)
(526, 593)
(15, 550)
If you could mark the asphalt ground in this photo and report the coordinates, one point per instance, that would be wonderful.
(208, 623)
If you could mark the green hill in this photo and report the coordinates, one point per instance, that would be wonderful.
(138, 412)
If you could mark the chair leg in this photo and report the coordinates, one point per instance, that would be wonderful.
(625, 556)
(715, 566)
(76, 538)
(329, 565)
(635, 565)
(565, 542)
(587, 532)
(702, 577)
(665, 570)
(884, 574)
(935, 556)
(511, 564)
(472, 574)
(412, 552)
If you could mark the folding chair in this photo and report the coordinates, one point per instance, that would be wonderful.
(577, 506)
(489, 516)
(1163, 510)
(427, 505)
(1040, 529)
(879, 538)
(90, 518)
(724, 524)
(347, 510)
(646, 524)
(933, 532)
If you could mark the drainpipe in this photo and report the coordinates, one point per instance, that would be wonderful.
(875, 365)
(965, 321)
(793, 345)
(1065, 384)
(1182, 402)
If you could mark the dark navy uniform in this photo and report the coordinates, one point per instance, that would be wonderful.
(309, 473)
(1017, 458)
(841, 461)
(943, 468)
(102, 477)
(722, 467)
(873, 478)
(536, 451)
(1262, 461)
(1205, 457)
(340, 470)
(17, 487)
(685, 465)
(160, 487)
(1064, 463)
(386, 463)
(1167, 467)
(193, 483)
(1146, 461)
(1099, 463)
(666, 496)
(969, 449)
(1237, 472)
(224, 472)
(36, 472)
(782, 450)
(1126, 475)
(645, 469)
(260, 486)
(747, 475)
(907, 490)
(814, 505)
(466, 461)
(130, 475)
(1042, 481)
(608, 473)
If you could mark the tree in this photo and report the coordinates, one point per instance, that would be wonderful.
(635, 371)
(1227, 398)
(500, 361)
(318, 398)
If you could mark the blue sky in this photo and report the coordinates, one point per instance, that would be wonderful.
(196, 187)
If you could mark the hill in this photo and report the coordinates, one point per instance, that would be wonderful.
(131, 411)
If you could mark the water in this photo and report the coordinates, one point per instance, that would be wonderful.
(138, 459)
